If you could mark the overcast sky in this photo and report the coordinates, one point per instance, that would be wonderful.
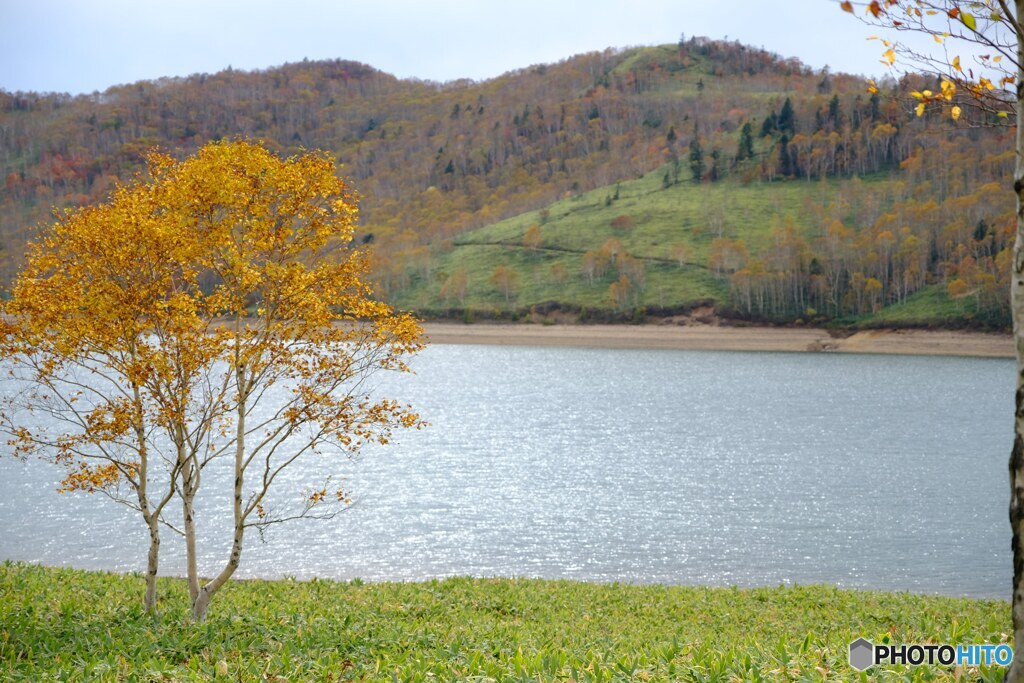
(80, 46)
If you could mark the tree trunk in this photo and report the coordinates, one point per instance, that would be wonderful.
(202, 597)
(201, 603)
(188, 496)
(1015, 673)
(152, 519)
(149, 601)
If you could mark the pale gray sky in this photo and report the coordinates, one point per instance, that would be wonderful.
(86, 45)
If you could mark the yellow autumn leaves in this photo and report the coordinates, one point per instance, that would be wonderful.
(940, 20)
(925, 96)
(920, 9)
(231, 256)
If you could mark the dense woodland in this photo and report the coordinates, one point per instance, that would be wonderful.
(907, 204)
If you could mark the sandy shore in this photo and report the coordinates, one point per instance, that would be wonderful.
(713, 337)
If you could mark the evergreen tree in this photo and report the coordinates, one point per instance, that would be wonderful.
(787, 118)
(981, 230)
(825, 84)
(835, 112)
(745, 148)
(696, 158)
(876, 104)
(716, 165)
(785, 160)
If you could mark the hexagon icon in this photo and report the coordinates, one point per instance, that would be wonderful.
(862, 654)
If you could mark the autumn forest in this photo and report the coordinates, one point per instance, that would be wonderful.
(613, 185)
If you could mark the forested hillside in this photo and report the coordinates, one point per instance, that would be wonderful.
(646, 178)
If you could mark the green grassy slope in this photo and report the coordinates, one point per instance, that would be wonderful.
(61, 624)
(662, 218)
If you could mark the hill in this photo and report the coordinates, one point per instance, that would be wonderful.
(736, 176)
(768, 252)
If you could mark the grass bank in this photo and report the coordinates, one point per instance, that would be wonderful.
(62, 624)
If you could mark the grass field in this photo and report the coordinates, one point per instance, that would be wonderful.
(69, 625)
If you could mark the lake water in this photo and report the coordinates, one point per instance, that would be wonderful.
(677, 467)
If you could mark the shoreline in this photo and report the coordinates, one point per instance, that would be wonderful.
(717, 338)
(425, 580)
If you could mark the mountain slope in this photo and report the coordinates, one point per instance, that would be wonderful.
(436, 161)
(763, 251)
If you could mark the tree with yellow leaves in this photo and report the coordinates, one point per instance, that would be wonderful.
(988, 82)
(215, 313)
(980, 81)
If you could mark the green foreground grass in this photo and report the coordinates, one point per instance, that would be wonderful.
(70, 625)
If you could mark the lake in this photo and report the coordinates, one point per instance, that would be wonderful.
(679, 467)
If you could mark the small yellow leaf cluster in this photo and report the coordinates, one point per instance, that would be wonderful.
(925, 97)
(90, 478)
